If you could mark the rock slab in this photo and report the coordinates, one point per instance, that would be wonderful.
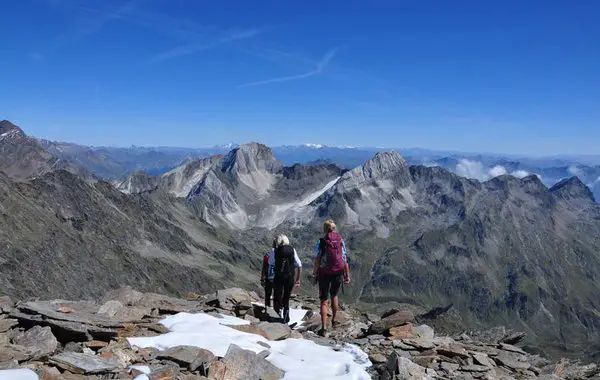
(83, 364)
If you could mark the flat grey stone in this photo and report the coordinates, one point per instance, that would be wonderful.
(187, 356)
(483, 359)
(274, 331)
(510, 362)
(475, 368)
(83, 364)
(420, 344)
(511, 348)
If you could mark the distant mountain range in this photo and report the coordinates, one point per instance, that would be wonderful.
(117, 163)
(507, 250)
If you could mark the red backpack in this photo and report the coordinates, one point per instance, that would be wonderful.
(332, 251)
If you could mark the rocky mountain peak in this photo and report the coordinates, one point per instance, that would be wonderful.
(385, 161)
(383, 165)
(251, 157)
(6, 126)
(572, 188)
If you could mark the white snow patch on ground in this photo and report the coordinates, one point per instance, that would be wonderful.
(18, 374)
(142, 368)
(300, 359)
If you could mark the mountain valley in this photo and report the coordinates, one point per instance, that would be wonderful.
(506, 251)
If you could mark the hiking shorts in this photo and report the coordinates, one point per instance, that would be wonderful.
(329, 285)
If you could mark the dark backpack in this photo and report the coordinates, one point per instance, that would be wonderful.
(332, 251)
(284, 263)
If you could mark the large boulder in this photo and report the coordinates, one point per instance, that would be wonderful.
(187, 356)
(39, 341)
(399, 318)
(229, 299)
(274, 331)
(403, 368)
(244, 364)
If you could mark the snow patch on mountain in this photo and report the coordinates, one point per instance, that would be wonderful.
(261, 181)
(182, 186)
(274, 215)
(9, 134)
(313, 146)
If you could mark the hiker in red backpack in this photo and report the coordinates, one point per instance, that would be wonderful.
(330, 269)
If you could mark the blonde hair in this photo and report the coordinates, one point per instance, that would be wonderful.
(329, 226)
(281, 240)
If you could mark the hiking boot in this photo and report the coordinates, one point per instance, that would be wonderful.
(323, 333)
(335, 324)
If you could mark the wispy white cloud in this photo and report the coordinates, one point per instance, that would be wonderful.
(98, 24)
(188, 49)
(575, 170)
(321, 66)
(476, 170)
(94, 21)
(497, 171)
(520, 173)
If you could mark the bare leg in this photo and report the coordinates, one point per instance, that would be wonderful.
(334, 308)
(324, 311)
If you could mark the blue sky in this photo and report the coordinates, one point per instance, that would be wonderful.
(499, 76)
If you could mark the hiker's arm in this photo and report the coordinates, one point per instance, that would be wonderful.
(317, 263)
(298, 273)
(346, 266)
(298, 267)
(263, 274)
(347, 273)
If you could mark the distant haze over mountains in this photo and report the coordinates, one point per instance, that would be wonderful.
(117, 163)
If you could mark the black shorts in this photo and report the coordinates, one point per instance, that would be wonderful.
(329, 285)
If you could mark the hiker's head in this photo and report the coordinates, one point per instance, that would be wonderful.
(329, 226)
(281, 240)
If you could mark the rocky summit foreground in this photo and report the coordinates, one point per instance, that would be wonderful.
(61, 339)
